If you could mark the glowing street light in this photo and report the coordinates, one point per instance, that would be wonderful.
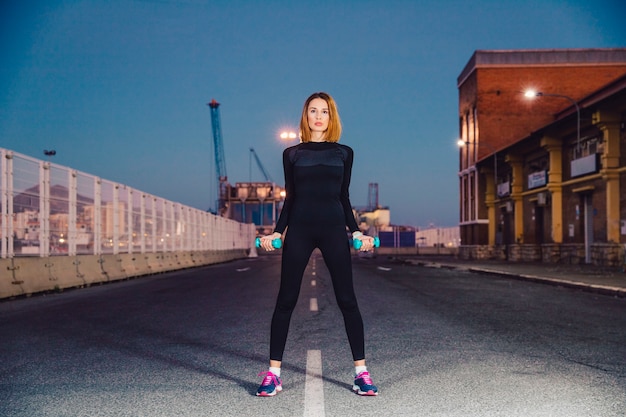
(462, 143)
(288, 135)
(531, 94)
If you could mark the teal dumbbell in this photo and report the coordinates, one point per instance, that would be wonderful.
(357, 243)
(276, 243)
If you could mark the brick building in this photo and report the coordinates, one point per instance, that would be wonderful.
(543, 178)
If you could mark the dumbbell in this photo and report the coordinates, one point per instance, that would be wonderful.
(276, 243)
(357, 243)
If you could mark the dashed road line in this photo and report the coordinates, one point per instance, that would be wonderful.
(313, 385)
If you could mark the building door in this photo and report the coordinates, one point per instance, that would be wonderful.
(588, 225)
(539, 223)
(507, 232)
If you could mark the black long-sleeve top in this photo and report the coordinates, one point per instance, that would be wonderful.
(317, 179)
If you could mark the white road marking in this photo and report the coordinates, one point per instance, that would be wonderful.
(313, 385)
(243, 269)
(313, 283)
(313, 304)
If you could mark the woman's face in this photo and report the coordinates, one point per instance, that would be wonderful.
(318, 116)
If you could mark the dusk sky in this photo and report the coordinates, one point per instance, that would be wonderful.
(119, 87)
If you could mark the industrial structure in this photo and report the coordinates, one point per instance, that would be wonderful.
(542, 175)
(260, 202)
(246, 202)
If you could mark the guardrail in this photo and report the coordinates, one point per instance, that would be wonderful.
(62, 216)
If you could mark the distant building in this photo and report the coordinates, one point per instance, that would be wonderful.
(543, 179)
(444, 237)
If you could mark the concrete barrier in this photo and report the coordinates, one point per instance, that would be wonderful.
(91, 268)
(135, 264)
(66, 271)
(10, 284)
(154, 262)
(171, 261)
(29, 275)
(35, 274)
(113, 267)
(185, 259)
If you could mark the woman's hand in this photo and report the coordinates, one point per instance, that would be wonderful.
(367, 242)
(266, 241)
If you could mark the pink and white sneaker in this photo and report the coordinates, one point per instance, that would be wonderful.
(363, 385)
(270, 386)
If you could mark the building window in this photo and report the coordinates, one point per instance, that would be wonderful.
(588, 146)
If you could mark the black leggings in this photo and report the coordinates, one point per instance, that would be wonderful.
(300, 242)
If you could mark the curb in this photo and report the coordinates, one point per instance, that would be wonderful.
(598, 289)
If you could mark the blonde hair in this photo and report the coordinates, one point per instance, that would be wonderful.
(333, 133)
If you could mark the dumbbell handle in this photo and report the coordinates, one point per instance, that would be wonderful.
(276, 243)
(357, 243)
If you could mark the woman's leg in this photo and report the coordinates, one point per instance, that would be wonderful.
(296, 253)
(335, 249)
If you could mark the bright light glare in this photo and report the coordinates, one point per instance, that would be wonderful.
(460, 142)
(288, 135)
(530, 94)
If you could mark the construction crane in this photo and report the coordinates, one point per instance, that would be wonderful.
(267, 176)
(220, 161)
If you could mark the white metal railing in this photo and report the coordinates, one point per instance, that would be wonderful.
(48, 209)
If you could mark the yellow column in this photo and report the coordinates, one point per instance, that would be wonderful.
(490, 202)
(608, 123)
(517, 186)
(555, 149)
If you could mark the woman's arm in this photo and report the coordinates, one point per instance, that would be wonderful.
(345, 193)
(283, 219)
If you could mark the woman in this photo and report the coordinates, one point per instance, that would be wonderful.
(317, 210)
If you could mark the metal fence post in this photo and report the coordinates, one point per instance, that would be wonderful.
(72, 232)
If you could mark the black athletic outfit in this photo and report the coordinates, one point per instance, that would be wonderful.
(317, 210)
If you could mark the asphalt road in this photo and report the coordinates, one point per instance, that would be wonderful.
(191, 343)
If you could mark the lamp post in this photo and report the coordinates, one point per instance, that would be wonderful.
(587, 218)
(242, 193)
(532, 94)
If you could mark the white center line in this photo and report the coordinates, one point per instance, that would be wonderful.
(313, 385)
(313, 283)
(313, 304)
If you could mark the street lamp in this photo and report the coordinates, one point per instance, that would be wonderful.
(532, 94)
(462, 143)
(49, 153)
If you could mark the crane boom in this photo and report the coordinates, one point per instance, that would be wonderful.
(220, 161)
(261, 167)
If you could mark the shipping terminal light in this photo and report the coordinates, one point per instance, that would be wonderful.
(531, 94)
(461, 143)
(288, 135)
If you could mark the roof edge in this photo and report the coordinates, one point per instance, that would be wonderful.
(544, 57)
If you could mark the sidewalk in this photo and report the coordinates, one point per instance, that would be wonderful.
(605, 280)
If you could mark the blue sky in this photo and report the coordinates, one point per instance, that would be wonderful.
(119, 88)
